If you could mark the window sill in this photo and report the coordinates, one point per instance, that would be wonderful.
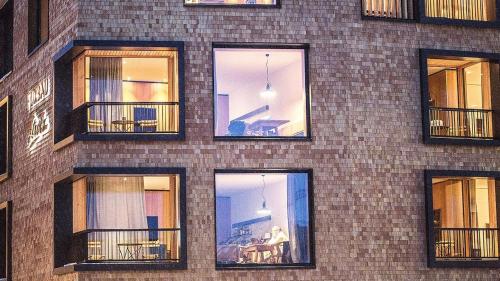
(458, 22)
(464, 264)
(128, 137)
(304, 139)
(255, 6)
(131, 266)
(2, 78)
(462, 141)
(34, 50)
(265, 266)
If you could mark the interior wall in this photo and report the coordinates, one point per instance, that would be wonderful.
(244, 206)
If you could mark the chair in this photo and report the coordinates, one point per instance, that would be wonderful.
(145, 119)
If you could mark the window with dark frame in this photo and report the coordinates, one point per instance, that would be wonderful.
(5, 138)
(238, 3)
(38, 23)
(461, 93)
(115, 94)
(264, 218)
(6, 36)
(5, 241)
(478, 13)
(131, 217)
(261, 92)
(462, 218)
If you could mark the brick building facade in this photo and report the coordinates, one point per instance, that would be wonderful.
(366, 150)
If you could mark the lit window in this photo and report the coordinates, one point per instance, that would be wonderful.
(261, 93)
(398, 9)
(263, 219)
(474, 10)
(462, 95)
(463, 221)
(123, 218)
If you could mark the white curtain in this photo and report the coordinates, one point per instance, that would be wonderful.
(116, 203)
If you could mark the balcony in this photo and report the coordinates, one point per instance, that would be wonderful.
(461, 123)
(127, 118)
(126, 245)
(466, 244)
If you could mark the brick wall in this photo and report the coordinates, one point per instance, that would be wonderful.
(367, 150)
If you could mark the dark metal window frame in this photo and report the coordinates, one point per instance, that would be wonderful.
(63, 89)
(259, 6)
(305, 47)
(424, 87)
(7, 59)
(7, 206)
(312, 246)
(419, 17)
(7, 158)
(63, 220)
(38, 15)
(429, 215)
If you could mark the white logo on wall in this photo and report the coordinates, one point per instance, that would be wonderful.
(40, 124)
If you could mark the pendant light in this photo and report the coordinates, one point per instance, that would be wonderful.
(268, 91)
(264, 211)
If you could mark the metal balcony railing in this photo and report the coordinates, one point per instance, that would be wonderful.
(127, 117)
(126, 245)
(459, 122)
(466, 243)
(479, 10)
(402, 9)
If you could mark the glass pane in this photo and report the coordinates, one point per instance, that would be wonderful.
(231, 2)
(478, 10)
(262, 219)
(260, 92)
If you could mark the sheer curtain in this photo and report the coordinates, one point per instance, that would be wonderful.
(106, 86)
(298, 217)
(116, 203)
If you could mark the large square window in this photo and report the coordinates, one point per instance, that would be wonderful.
(234, 3)
(463, 218)
(38, 23)
(111, 93)
(5, 138)
(264, 218)
(6, 36)
(261, 92)
(122, 218)
(461, 93)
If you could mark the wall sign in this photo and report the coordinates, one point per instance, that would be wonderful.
(38, 96)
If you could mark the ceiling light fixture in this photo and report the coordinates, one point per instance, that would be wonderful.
(264, 211)
(268, 91)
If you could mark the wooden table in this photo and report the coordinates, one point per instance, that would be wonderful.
(130, 251)
(123, 125)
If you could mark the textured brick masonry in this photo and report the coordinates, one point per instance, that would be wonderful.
(367, 150)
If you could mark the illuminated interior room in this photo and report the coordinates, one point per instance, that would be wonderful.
(465, 218)
(127, 91)
(401, 9)
(132, 218)
(260, 92)
(460, 92)
(231, 2)
(262, 218)
(474, 10)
